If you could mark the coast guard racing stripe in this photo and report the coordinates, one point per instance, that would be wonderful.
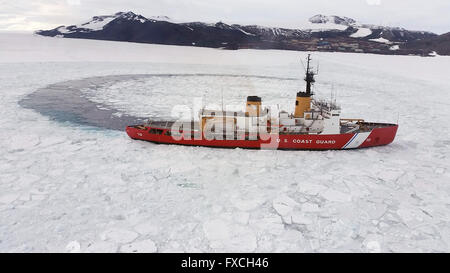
(356, 140)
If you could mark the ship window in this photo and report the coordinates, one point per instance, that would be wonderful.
(168, 133)
(155, 131)
(296, 102)
(335, 115)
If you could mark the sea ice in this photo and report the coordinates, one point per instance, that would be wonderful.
(110, 193)
(147, 228)
(284, 205)
(119, 235)
(8, 198)
(146, 246)
(224, 236)
(73, 247)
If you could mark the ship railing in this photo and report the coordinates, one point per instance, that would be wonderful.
(159, 123)
(351, 120)
(353, 129)
(326, 105)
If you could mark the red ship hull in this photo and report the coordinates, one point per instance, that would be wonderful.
(379, 134)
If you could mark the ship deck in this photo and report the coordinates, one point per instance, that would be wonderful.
(345, 128)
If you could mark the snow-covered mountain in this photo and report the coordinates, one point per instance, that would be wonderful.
(333, 19)
(99, 22)
(382, 34)
(326, 33)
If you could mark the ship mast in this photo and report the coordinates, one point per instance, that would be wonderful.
(303, 100)
(309, 78)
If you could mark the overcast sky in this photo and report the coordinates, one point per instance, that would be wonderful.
(30, 15)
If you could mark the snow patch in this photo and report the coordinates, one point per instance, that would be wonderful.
(362, 32)
(98, 24)
(381, 40)
(323, 27)
(394, 47)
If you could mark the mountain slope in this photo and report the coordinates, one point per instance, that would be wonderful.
(439, 44)
(324, 33)
(135, 28)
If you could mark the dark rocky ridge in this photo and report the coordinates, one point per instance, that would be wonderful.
(439, 44)
(127, 26)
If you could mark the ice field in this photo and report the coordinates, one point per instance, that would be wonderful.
(69, 187)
